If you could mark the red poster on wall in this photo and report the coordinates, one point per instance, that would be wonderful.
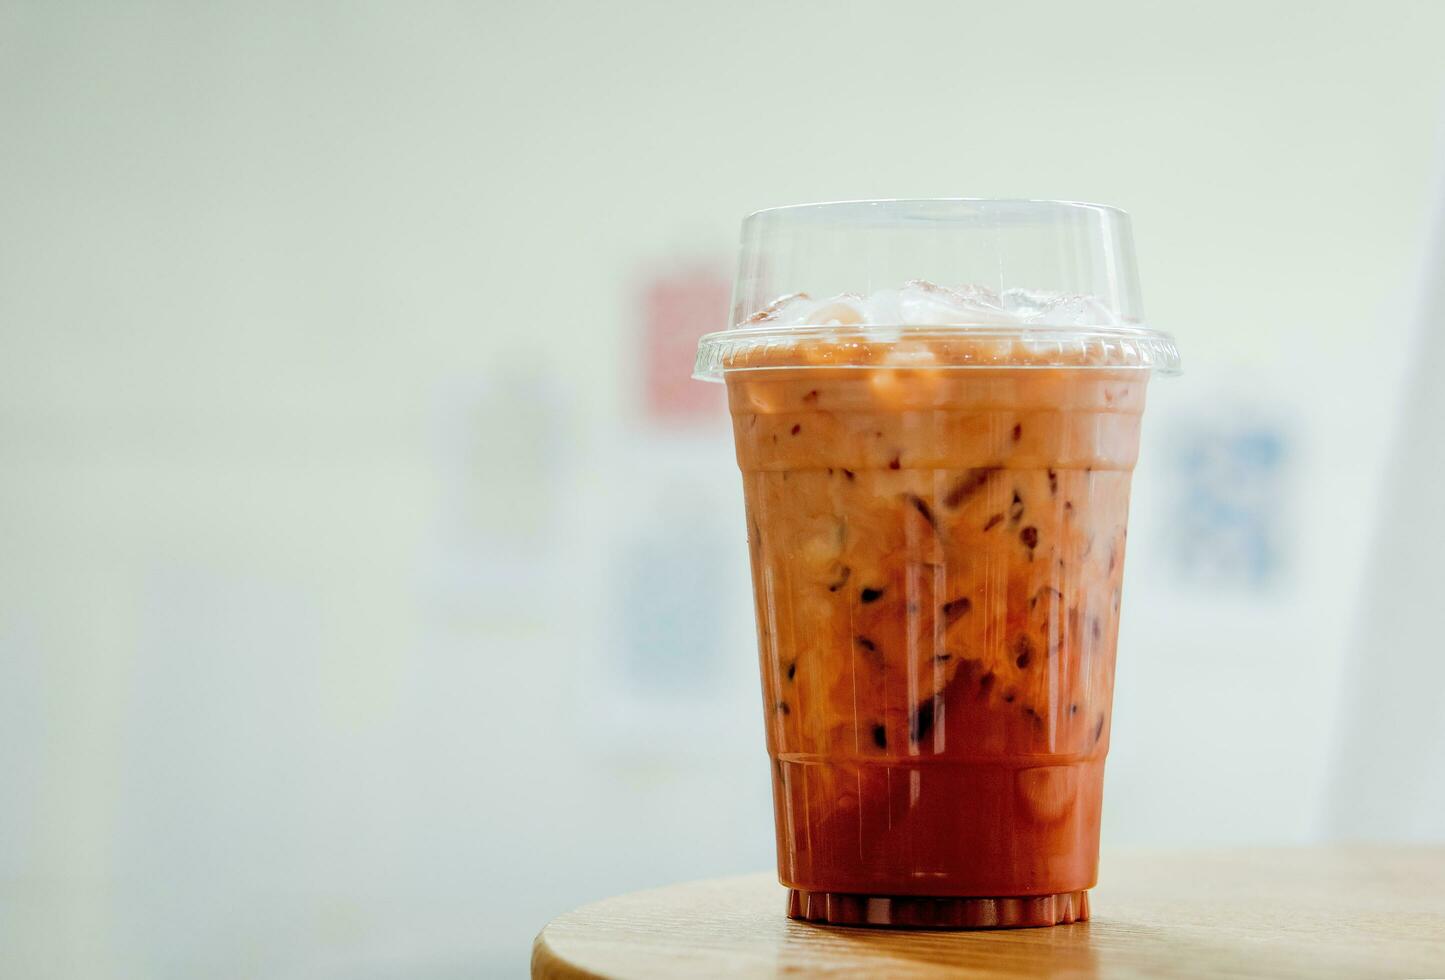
(679, 305)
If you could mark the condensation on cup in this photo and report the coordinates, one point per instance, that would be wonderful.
(936, 406)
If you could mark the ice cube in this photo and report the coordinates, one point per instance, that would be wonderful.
(881, 308)
(1036, 307)
(912, 355)
(922, 303)
(784, 311)
(1091, 311)
(843, 310)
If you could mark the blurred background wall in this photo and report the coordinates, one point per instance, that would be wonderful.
(372, 580)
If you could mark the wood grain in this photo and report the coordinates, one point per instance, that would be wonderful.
(1338, 912)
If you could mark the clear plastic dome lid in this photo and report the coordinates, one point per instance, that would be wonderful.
(947, 282)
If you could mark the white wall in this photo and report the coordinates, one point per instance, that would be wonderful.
(1388, 780)
(315, 373)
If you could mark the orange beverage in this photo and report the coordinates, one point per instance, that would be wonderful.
(936, 524)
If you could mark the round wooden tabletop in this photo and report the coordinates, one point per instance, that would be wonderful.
(1277, 913)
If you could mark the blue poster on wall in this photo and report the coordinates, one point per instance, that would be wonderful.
(1230, 492)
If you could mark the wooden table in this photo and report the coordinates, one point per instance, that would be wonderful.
(1357, 912)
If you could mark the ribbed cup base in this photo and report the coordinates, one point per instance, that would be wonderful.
(918, 912)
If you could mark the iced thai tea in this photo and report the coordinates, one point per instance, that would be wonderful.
(936, 521)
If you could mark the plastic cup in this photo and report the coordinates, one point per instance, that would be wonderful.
(936, 476)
